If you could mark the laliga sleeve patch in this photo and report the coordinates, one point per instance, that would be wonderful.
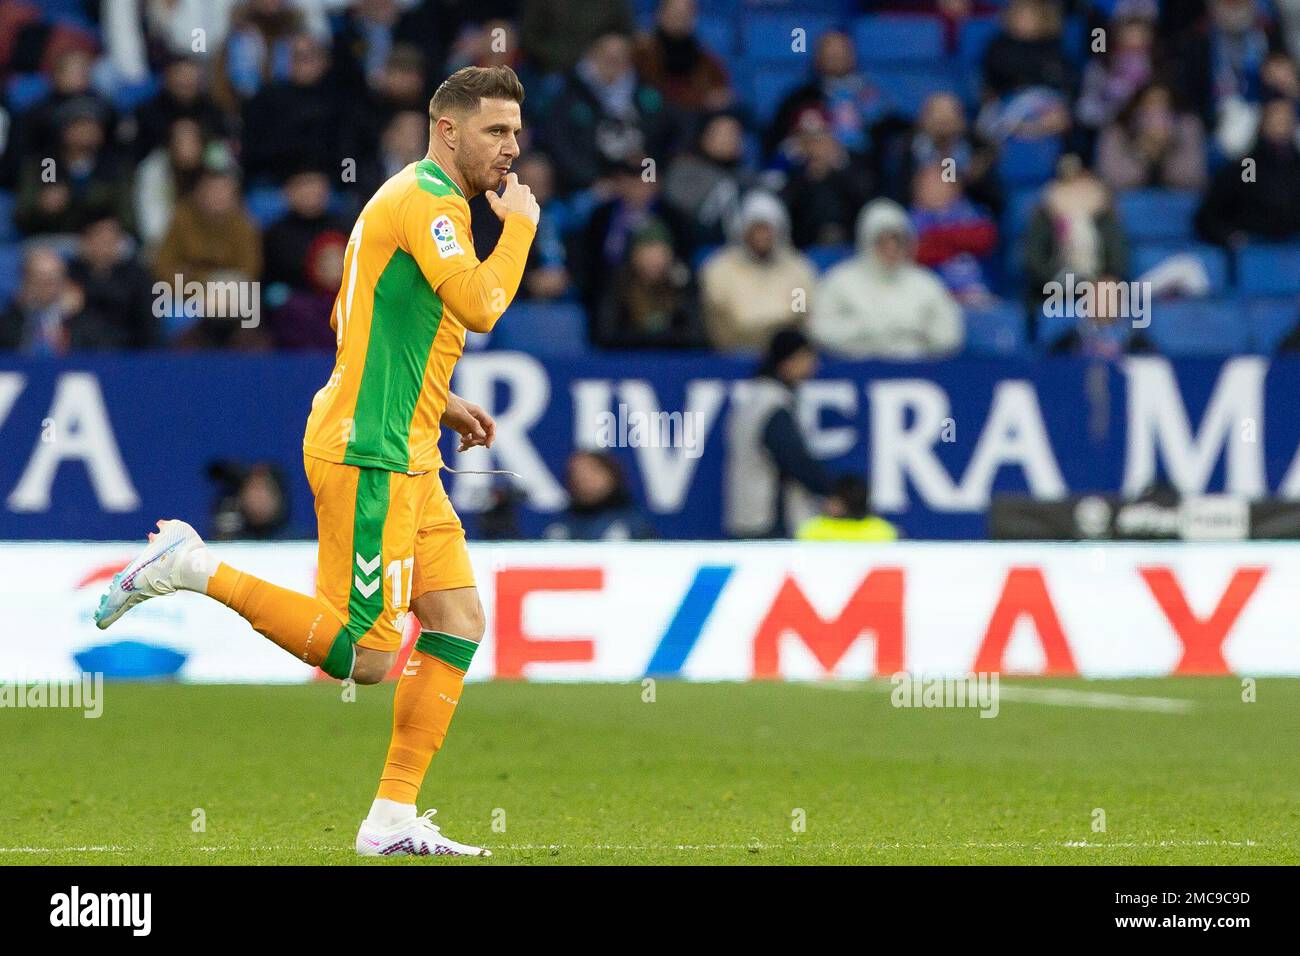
(444, 234)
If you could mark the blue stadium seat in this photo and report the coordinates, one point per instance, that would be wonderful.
(1269, 269)
(1028, 162)
(8, 232)
(771, 85)
(996, 330)
(266, 204)
(128, 97)
(1051, 328)
(823, 257)
(890, 39)
(25, 90)
(973, 39)
(1019, 208)
(906, 89)
(717, 32)
(1199, 327)
(11, 270)
(554, 331)
(1149, 255)
(1158, 213)
(770, 36)
(1271, 320)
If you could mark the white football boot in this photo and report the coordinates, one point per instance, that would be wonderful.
(418, 836)
(175, 560)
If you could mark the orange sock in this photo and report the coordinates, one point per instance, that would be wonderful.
(304, 626)
(426, 697)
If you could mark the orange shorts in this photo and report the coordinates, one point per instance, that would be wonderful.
(385, 536)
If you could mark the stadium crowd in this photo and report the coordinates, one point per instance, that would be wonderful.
(896, 179)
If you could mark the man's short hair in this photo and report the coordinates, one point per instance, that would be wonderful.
(461, 92)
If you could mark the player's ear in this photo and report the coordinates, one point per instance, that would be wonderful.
(445, 128)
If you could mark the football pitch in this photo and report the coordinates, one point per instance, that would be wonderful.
(1179, 771)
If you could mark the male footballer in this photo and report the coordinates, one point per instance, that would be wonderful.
(389, 539)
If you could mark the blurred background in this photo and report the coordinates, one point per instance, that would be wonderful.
(823, 232)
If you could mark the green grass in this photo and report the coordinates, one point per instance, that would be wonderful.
(708, 773)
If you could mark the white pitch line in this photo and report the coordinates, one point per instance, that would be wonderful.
(682, 847)
(1052, 696)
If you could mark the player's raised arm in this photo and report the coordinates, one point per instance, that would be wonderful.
(436, 232)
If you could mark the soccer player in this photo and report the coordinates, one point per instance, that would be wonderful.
(389, 539)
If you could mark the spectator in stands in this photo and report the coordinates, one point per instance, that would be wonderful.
(1112, 79)
(116, 289)
(827, 185)
(954, 237)
(650, 303)
(259, 41)
(672, 60)
(296, 120)
(41, 126)
(1027, 77)
(168, 174)
(557, 33)
(1103, 334)
(55, 192)
(182, 97)
(1219, 60)
(758, 283)
(47, 315)
(704, 185)
(940, 135)
(769, 476)
(601, 247)
(547, 274)
(212, 238)
(303, 321)
(363, 42)
(252, 502)
(1239, 119)
(850, 101)
(1238, 208)
(600, 505)
(846, 516)
(604, 116)
(171, 23)
(1073, 231)
(404, 140)
(285, 242)
(1153, 144)
(880, 303)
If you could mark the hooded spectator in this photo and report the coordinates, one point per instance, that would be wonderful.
(758, 283)
(880, 303)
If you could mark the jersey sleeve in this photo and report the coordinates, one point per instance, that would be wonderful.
(435, 230)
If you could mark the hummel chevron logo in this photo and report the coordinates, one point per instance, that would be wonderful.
(367, 568)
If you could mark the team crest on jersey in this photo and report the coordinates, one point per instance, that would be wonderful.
(444, 234)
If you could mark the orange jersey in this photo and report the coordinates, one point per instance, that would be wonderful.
(411, 287)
